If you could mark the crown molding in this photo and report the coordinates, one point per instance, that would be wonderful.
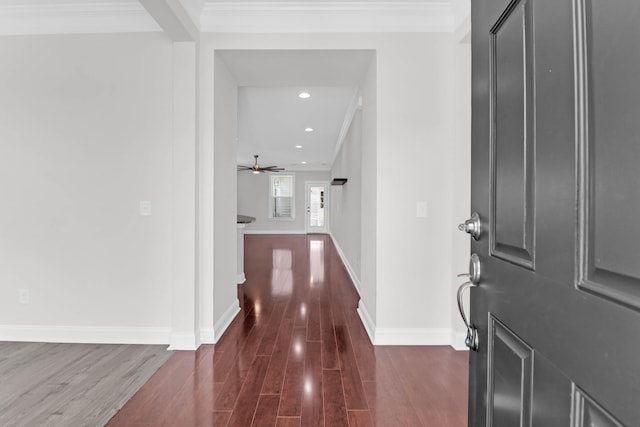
(73, 16)
(327, 16)
(318, 16)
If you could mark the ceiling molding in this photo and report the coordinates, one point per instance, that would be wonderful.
(71, 17)
(327, 16)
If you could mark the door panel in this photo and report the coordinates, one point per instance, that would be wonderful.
(590, 414)
(611, 128)
(555, 148)
(509, 373)
(512, 136)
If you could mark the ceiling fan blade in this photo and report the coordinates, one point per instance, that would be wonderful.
(272, 169)
(244, 168)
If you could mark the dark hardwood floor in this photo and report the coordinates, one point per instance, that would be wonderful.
(298, 355)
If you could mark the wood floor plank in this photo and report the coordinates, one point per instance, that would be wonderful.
(267, 411)
(312, 399)
(293, 387)
(275, 373)
(268, 342)
(329, 346)
(247, 401)
(360, 419)
(288, 422)
(313, 328)
(354, 392)
(335, 410)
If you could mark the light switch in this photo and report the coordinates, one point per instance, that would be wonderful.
(421, 210)
(145, 208)
(23, 297)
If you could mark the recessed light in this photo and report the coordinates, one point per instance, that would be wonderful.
(304, 95)
(304, 163)
(308, 129)
(298, 146)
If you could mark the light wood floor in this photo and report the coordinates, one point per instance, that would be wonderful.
(297, 355)
(71, 385)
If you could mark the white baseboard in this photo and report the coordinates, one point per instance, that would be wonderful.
(413, 336)
(207, 336)
(457, 340)
(274, 231)
(225, 320)
(85, 334)
(352, 274)
(367, 321)
(183, 341)
(409, 336)
(241, 278)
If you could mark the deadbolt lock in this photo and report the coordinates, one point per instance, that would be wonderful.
(472, 226)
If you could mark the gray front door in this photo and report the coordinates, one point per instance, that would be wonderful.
(556, 183)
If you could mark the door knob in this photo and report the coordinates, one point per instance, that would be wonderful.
(472, 226)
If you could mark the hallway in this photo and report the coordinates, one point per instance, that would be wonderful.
(298, 355)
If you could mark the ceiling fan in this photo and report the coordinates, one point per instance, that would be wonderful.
(256, 168)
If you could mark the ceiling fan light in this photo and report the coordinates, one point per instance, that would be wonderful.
(304, 95)
(256, 172)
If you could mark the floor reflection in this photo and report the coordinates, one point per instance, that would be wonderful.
(281, 272)
(316, 262)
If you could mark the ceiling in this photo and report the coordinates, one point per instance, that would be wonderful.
(272, 118)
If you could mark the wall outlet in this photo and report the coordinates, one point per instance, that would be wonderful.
(23, 296)
(421, 210)
(145, 208)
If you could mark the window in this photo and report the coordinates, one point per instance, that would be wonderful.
(281, 196)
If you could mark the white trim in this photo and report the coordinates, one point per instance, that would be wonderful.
(247, 231)
(367, 321)
(207, 336)
(241, 278)
(352, 274)
(355, 105)
(413, 336)
(327, 16)
(72, 17)
(85, 334)
(457, 341)
(409, 336)
(225, 320)
(183, 341)
(462, 33)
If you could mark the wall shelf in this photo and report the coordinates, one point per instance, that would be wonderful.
(339, 181)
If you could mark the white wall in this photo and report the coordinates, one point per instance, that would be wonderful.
(253, 200)
(85, 134)
(225, 298)
(346, 200)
